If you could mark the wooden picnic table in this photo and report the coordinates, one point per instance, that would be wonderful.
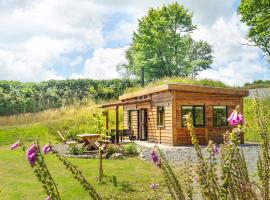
(90, 140)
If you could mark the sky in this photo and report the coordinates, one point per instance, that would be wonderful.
(48, 39)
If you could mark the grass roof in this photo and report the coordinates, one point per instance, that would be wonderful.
(180, 80)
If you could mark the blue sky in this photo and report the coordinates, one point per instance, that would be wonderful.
(48, 39)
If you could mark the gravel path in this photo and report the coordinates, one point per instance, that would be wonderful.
(178, 155)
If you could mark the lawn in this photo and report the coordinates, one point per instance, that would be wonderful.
(133, 177)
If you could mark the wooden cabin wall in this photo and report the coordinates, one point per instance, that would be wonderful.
(155, 134)
(209, 132)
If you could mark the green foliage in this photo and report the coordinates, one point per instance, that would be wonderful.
(112, 149)
(130, 149)
(18, 97)
(258, 84)
(256, 14)
(263, 164)
(181, 80)
(76, 150)
(164, 47)
(250, 126)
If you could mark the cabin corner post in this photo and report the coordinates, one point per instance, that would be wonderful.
(174, 118)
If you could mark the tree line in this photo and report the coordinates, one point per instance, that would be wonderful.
(23, 97)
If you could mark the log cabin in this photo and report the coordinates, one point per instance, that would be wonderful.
(156, 114)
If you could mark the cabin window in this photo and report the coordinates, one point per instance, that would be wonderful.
(198, 115)
(160, 116)
(220, 115)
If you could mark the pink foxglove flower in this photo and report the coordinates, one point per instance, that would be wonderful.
(15, 145)
(47, 148)
(235, 118)
(31, 154)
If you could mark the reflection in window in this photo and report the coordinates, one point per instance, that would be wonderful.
(199, 116)
(220, 115)
(197, 113)
(160, 116)
(185, 111)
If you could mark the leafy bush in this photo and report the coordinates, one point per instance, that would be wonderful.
(112, 149)
(76, 150)
(130, 149)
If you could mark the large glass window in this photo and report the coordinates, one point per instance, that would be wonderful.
(220, 115)
(185, 111)
(160, 116)
(197, 112)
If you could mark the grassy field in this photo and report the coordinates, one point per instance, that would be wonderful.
(251, 133)
(133, 178)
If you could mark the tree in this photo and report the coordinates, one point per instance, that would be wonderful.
(164, 47)
(256, 14)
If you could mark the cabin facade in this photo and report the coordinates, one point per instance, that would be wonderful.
(156, 114)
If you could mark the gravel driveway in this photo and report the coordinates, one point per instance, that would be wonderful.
(178, 155)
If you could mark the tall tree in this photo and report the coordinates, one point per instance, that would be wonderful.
(164, 47)
(256, 14)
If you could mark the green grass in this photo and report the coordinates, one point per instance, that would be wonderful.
(251, 132)
(180, 80)
(133, 178)
(10, 134)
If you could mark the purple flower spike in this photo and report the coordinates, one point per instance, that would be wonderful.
(154, 157)
(31, 154)
(154, 186)
(46, 149)
(15, 145)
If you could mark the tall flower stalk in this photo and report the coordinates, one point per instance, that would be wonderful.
(206, 170)
(36, 161)
(263, 164)
(172, 183)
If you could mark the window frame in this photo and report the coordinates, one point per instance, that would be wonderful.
(193, 115)
(158, 117)
(215, 125)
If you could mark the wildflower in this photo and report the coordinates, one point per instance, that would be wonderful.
(48, 198)
(158, 163)
(15, 145)
(235, 118)
(215, 150)
(154, 186)
(31, 154)
(47, 148)
(154, 157)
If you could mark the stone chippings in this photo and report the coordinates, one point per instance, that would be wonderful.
(178, 155)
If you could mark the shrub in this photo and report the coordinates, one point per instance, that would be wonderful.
(76, 150)
(130, 149)
(112, 149)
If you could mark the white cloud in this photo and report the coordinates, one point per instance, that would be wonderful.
(234, 62)
(35, 36)
(104, 62)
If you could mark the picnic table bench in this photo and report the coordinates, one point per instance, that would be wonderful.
(90, 140)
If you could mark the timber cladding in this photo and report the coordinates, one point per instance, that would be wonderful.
(171, 102)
